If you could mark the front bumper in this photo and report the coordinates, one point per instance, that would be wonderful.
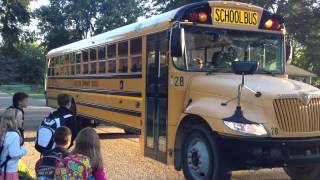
(244, 153)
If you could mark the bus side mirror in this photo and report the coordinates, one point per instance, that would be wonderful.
(177, 42)
(288, 53)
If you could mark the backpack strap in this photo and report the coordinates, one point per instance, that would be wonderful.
(4, 165)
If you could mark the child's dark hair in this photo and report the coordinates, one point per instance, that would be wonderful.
(61, 135)
(18, 97)
(64, 100)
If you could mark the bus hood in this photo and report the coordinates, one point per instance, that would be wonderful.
(226, 85)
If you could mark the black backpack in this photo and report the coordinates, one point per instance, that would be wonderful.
(44, 140)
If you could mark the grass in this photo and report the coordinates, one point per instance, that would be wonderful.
(34, 91)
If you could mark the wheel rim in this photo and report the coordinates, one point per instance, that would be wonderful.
(198, 158)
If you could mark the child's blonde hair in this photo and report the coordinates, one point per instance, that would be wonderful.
(8, 121)
(88, 144)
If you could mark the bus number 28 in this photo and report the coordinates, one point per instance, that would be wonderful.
(179, 81)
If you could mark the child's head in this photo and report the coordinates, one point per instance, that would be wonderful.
(88, 143)
(64, 100)
(20, 100)
(62, 137)
(8, 121)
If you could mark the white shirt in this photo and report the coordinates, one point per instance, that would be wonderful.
(14, 150)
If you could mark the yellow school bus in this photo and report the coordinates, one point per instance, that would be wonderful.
(205, 84)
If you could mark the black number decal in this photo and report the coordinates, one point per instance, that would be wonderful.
(274, 131)
(179, 81)
(121, 84)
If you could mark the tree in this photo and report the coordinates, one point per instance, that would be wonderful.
(13, 15)
(30, 64)
(65, 21)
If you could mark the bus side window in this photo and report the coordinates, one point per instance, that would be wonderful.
(123, 57)
(112, 58)
(102, 59)
(85, 62)
(78, 63)
(136, 55)
(93, 61)
(72, 64)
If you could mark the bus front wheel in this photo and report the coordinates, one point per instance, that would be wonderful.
(201, 157)
(305, 172)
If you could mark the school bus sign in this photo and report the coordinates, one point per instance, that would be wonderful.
(235, 16)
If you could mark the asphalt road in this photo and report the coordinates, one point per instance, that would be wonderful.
(121, 152)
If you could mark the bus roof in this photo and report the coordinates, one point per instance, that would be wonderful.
(110, 36)
(158, 22)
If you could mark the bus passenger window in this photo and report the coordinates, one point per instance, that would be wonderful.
(78, 63)
(112, 58)
(93, 61)
(85, 68)
(85, 62)
(72, 63)
(123, 57)
(66, 65)
(136, 55)
(102, 60)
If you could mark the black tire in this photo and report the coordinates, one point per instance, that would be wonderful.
(303, 173)
(208, 164)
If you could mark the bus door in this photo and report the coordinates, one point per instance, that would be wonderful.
(157, 97)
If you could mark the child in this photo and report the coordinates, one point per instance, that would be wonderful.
(46, 166)
(19, 102)
(62, 140)
(64, 102)
(12, 150)
(87, 143)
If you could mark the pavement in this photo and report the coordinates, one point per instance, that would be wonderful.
(121, 152)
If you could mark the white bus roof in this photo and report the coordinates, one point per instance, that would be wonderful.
(110, 36)
(159, 22)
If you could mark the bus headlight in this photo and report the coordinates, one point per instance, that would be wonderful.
(249, 129)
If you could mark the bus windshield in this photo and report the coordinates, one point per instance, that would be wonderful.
(213, 50)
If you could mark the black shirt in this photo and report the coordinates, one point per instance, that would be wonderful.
(58, 152)
(70, 122)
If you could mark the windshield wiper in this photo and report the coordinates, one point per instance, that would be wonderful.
(266, 71)
(217, 70)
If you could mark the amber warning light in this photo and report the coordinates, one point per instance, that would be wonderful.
(272, 23)
(201, 17)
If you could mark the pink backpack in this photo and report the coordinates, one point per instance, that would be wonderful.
(74, 166)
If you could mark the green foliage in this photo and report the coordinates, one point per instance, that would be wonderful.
(13, 14)
(31, 64)
(65, 21)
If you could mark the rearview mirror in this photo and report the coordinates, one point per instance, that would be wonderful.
(177, 42)
(245, 67)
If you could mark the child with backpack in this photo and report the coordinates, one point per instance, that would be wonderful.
(19, 102)
(88, 143)
(62, 117)
(46, 165)
(10, 145)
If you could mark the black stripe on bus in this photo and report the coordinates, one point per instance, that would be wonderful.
(112, 109)
(101, 91)
(109, 122)
(114, 76)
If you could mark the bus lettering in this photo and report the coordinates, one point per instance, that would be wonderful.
(231, 16)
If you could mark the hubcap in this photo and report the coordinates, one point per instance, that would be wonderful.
(198, 158)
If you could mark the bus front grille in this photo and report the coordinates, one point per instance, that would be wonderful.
(295, 116)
